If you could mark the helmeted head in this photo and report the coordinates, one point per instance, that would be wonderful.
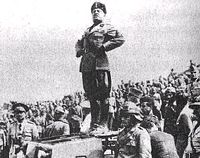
(98, 11)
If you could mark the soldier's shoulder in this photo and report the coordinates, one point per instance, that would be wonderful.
(87, 30)
(141, 130)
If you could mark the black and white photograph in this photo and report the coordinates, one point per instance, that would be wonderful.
(99, 79)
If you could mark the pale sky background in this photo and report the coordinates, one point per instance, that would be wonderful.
(37, 38)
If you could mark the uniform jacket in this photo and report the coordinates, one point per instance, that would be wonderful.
(93, 58)
(163, 145)
(20, 133)
(28, 131)
(134, 144)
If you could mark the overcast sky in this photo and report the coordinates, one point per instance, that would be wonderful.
(37, 38)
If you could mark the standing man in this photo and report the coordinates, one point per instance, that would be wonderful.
(98, 39)
(21, 131)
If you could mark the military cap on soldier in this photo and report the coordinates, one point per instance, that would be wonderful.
(20, 107)
(99, 5)
(59, 110)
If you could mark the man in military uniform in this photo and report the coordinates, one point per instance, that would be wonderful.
(133, 140)
(60, 126)
(98, 39)
(21, 131)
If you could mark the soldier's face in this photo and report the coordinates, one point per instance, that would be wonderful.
(146, 108)
(126, 120)
(98, 15)
(20, 115)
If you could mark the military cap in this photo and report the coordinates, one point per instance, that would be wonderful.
(60, 110)
(100, 6)
(195, 105)
(135, 92)
(131, 109)
(20, 107)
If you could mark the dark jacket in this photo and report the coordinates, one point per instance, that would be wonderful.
(93, 58)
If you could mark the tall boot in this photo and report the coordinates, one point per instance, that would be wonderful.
(94, 106)
(104, 113)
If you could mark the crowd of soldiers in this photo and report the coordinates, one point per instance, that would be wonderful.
(167, 104)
